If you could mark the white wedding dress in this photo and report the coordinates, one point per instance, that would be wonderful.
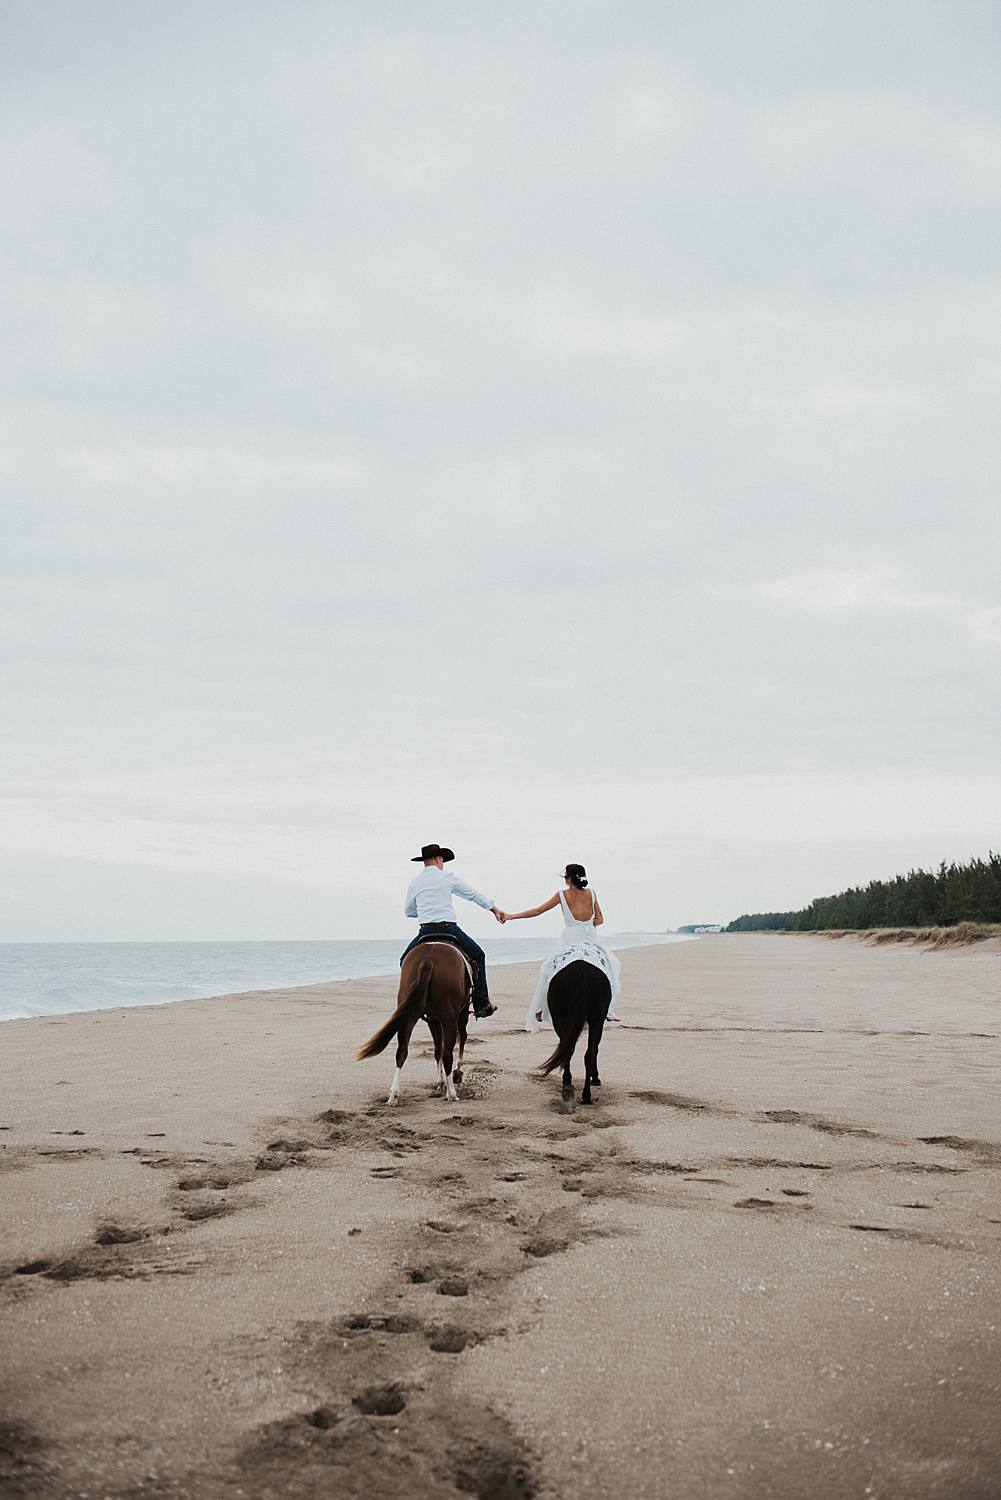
(577, 940)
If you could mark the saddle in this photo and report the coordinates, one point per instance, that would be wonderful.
(446, 937)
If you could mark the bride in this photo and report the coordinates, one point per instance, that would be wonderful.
(578, 940)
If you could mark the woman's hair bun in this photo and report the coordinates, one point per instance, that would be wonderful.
(577, 876)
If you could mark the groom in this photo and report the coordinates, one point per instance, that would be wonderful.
(429, 898)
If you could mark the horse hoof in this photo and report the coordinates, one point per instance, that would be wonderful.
(596, 1083)
(586, 1099)
(567, 1092)
(393, 1099)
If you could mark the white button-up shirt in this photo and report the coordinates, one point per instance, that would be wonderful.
(429, 895)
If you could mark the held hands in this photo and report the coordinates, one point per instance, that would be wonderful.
(500, 915)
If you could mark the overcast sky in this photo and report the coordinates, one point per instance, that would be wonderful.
(565, 430)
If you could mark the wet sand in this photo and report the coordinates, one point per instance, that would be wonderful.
(766, 1263)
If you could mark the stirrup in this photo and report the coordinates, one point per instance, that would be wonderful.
(481, 1015)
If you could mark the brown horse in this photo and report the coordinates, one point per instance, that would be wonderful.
(435, 984)
(579, 996)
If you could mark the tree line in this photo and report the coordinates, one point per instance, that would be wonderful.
(922, 898)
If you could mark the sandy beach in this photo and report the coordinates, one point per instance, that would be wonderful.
(766, 1263)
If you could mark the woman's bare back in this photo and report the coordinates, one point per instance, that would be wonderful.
(581, 903)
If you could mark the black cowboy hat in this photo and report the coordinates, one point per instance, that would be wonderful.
(432, 851)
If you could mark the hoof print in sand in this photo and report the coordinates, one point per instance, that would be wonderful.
(400, 1323)
(421, 1275)
(201, 1211)
(540, 1247)
(33, 1268)
(22, 1458)
(277, 1161)
(987, 1152)
(118, 1234)
(323, 1418)
(673, 1101)
(494, 1474)
(218, 1183)
(453, 1286)
(380, 1401)
(452, 1340)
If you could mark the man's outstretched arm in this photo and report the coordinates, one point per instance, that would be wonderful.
(470, 893)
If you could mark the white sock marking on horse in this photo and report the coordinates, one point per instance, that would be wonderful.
(394, 1092)
(450, 1087)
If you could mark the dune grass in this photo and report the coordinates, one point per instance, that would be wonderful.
(958, 936)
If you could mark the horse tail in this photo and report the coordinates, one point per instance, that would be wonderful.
(576, 1021)
(413, 998)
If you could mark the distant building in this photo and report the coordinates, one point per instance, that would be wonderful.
(702, 927)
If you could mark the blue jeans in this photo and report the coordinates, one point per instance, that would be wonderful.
(468, 945)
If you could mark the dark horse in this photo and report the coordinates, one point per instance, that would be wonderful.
(579, 996)
(435, 984)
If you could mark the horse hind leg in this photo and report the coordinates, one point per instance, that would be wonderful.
(402, 1050)
(595, 1027)
(447, 1051)
(462, 1023)
(435, 1030)
(567, 1089)
(590, 1068)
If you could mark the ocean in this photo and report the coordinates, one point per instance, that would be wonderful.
(54, 979)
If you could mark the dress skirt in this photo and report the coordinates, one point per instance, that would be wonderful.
(573, 945)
